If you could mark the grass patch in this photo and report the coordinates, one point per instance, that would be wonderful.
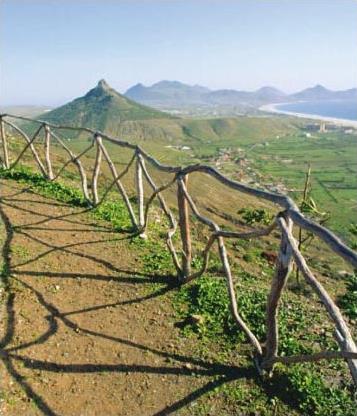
(208, 298)
(313, 397)
(37, 182)
(256, 216)
(302, 387)
(115, 213)
(348, 301)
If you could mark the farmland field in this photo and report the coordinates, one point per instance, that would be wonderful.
(332, 157)
(268, 152)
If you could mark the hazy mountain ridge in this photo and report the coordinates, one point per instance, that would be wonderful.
(319, 92)
(166, 94)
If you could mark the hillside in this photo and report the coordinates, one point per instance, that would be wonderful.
(99, 314)
(104, 109)
(101, 108)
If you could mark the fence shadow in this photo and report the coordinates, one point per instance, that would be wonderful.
(30, 272)
(12, 355)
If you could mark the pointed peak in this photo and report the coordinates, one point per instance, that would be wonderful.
(103, 84)
(319, 87)
(102, 89)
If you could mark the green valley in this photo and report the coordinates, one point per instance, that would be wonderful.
(272, 152)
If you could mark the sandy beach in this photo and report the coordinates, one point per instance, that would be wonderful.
(272, 108)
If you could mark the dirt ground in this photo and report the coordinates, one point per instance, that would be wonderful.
(82, 333)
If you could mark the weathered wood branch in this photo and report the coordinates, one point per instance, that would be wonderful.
(283, 268)
(117, 178)
(76, 160)
(173, 224)
(184, 223)
(335, 314)
(96, 170)
(217, 233)
(4, 144)
(232, 296)
(119, 185)
(30, 145)
(227, 270)
(249, 234)
(139, 193)
(318, 356)
(47, 143)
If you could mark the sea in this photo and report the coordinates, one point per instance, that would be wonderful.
(342, 109)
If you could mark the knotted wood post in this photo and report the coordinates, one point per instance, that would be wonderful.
(283, 268)
(50, 175)
(184, 223)
(119, 185)
(77, 162)
(6, 164)
(140, 194)
(97, 163)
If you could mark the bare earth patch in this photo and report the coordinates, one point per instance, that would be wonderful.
(82, 331)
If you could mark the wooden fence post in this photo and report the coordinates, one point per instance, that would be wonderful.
(4, 144)
(119, 185)
(98, 160)
(47, 152)
(184, 223)
(140, 192)
(283, 268)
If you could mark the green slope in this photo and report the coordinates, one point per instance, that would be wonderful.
(102, 108)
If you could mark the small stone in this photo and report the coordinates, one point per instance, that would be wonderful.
(197, 319)
(343, 273)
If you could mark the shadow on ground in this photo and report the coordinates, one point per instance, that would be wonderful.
(31, 220)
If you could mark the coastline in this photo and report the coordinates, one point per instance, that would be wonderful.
(271, 108)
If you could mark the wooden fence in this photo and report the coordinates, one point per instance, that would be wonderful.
(266, 354)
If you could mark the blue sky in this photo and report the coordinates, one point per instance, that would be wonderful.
(54, 50)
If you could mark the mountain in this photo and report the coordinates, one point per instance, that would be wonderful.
(350, 94)
(250, 98)
(176, 95)
(101, 108)
(228, 97)
(270, 94)
(165, 93)
(319, 92)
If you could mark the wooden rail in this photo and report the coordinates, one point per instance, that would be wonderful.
(265, 354)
